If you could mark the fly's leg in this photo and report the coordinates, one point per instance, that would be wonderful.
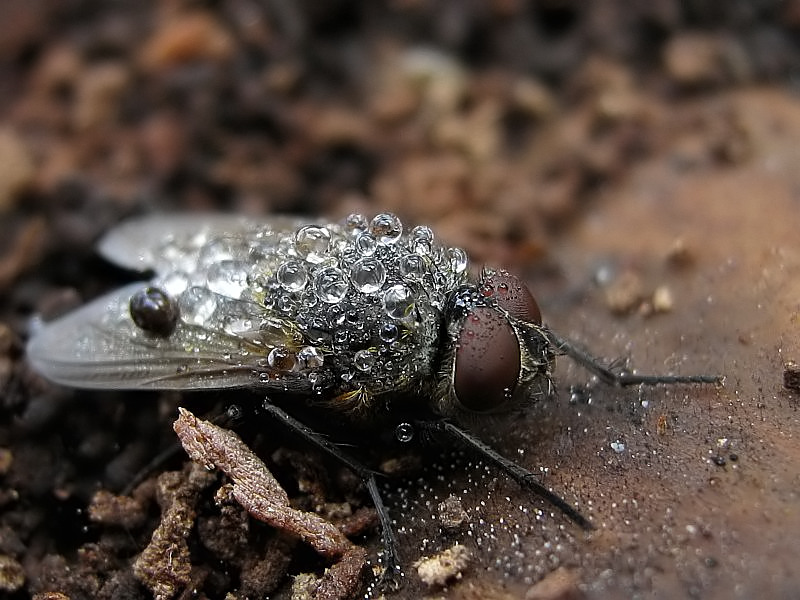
(392, 572)
(591, 364)
(521, 475)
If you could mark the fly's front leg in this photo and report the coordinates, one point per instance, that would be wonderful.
(518, 473)
(392, 571)
(591, 364)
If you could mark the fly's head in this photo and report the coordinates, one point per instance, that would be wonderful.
(498, 354)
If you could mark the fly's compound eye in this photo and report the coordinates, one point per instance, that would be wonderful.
(154, 311)
(512, 295)
(487, 360)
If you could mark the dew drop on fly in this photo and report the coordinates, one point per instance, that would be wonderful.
(153, 311)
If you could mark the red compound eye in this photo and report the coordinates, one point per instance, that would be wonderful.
(487, 361)
(512, 295)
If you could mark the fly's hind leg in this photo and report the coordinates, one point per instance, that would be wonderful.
(518, 473)
(392, 572)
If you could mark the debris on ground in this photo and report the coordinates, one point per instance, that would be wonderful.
(446, 566)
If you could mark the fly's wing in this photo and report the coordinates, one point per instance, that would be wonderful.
(99, 346)
(223, 337)
(163, 243)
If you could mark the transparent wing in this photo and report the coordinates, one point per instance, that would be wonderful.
(99, 346)
(160, 242)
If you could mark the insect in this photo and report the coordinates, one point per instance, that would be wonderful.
(362, 318)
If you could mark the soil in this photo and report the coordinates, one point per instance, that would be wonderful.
(635, 163)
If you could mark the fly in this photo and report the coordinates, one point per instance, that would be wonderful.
(356, 317)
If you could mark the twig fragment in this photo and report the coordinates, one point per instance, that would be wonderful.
(257, 490)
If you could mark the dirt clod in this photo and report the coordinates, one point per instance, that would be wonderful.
(447, 565)
(791, 376)
(12, 575)
(451, 513)
(165, 565)
(123, 511)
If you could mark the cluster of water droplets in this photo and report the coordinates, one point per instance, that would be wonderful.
(358, 301)
(368, 292)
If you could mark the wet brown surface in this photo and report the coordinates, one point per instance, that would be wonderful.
(637, 165)
(697, 504)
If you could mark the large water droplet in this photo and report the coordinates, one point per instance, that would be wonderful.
(227, 278)
(282, 359)
(330, 285)
(197, 304)
(154, 311)
(366, 244)
(368, 275)
(386, 228)
(363, 360)
(356, 223)
(388, 332)
(217, 250)
(174, 283)
(412, 266)
(311, 243)
(398, 301)
(292, 276)
(457, 260)
(421, 239)
(310, 357)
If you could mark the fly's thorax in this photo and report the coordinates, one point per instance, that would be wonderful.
(497, 353)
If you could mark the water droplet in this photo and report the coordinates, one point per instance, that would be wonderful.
(421, 239)
(386, 228)
(412, 266)
(154, 311)
(366, 244)
(237, 325)
(174, 283)
(398, 301)
(227, 278)
(388, 332)
(336, 315)
(458, 260)
(404, 432)
(215, 251)
(356, 223)
(618, 446)
(282, 359)
(368, 275)
(364, 360)
(285, 304)
(310, 358)
(292, 276)
(197, 304)
(318, 332)
(330, 285)
(311, 243)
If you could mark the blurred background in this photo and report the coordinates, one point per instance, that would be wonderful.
(496, 121)
(632, 158)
